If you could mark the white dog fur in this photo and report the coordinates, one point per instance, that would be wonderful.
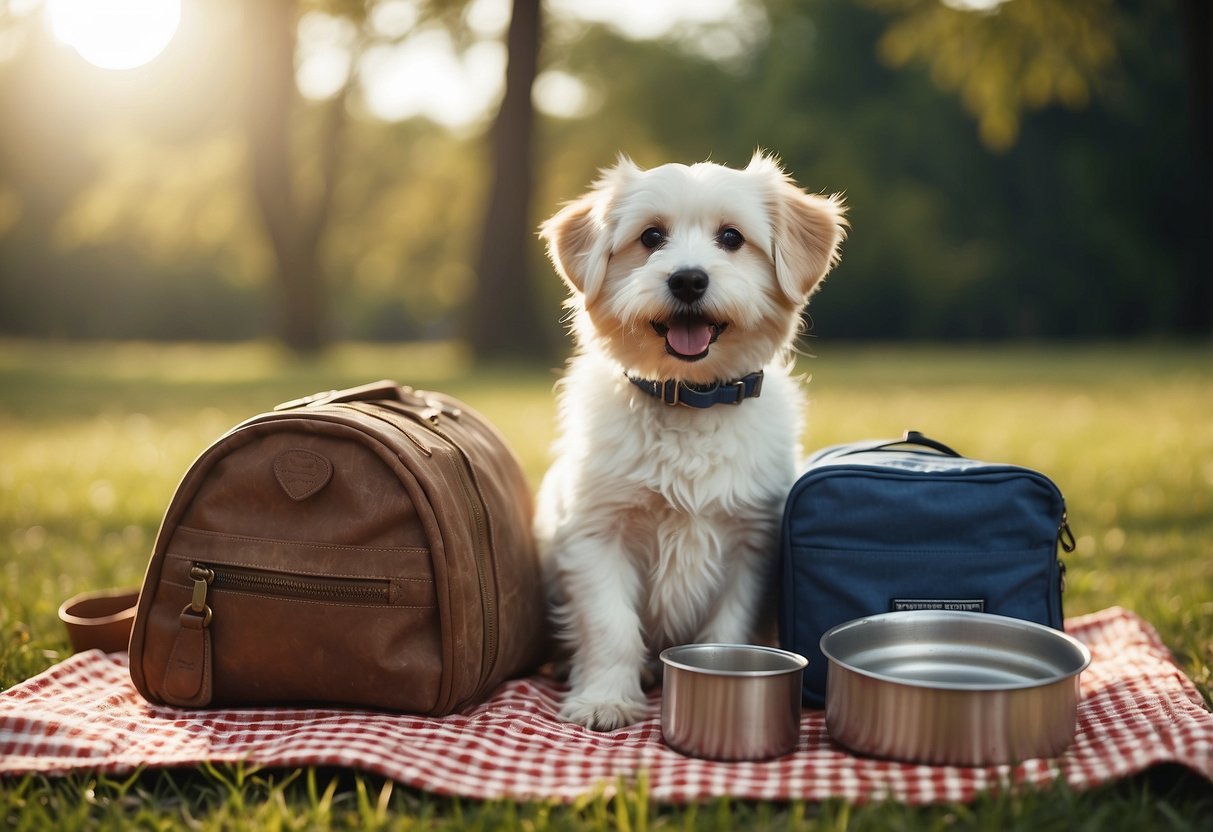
(658, 524)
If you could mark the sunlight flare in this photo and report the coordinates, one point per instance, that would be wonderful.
(115, 34)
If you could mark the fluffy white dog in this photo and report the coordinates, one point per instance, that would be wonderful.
(658, 521)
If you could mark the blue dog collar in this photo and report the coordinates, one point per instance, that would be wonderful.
(692, 395)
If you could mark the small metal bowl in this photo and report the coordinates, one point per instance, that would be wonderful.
(731, 701)
(957, 688)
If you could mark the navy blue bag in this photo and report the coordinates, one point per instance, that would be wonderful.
(882, 526)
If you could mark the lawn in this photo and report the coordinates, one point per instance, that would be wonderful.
(93, 439)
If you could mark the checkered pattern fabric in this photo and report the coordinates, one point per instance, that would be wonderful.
(1137, 710)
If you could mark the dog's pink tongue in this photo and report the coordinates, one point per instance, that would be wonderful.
(689, 336)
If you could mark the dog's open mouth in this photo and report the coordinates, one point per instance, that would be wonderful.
(688, 336)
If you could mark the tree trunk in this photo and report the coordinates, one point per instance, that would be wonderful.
(1196, 22)
(505, 321)
(294, 233)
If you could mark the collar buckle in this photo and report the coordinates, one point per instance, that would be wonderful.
(673, 393)
(670, 392)
(739, 386)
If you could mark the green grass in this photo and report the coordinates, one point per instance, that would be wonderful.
(93, 439)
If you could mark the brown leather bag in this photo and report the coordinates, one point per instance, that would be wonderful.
(367, 547)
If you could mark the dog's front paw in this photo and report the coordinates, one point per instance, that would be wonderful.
(602, 715)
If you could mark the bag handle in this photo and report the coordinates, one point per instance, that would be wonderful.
(100, 620)
(426, 405)
(913, 437)
(382, 389)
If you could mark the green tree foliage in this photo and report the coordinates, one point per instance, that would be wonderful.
(122, 213)
(162, 202)
(1004, 58)
(1092, 223)
(128, 212)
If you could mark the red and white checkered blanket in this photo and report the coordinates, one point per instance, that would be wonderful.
(1137, 710)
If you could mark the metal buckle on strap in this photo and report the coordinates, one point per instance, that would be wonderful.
(673, 393)
(669, 393)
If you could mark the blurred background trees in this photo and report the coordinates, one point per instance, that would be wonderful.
(324, 169)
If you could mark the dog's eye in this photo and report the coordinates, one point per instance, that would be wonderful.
(652, 237)
(730, 238)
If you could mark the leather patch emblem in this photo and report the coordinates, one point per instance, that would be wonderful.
(302, 473)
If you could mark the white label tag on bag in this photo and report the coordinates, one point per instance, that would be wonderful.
(957, 604)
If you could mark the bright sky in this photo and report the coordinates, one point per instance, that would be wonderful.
(645, 19)
(422, 75)
(415, 71)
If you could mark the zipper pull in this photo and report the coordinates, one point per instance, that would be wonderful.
(436, 409)
(202, 577)
(1064, 536)
(187, 675)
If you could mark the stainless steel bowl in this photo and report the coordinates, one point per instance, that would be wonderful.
(957, 688)
(731, 701)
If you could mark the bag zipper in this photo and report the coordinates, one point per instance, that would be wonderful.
(287, 585)
(482, 547)
(1065, 539)
(367, 409)
(430, 418)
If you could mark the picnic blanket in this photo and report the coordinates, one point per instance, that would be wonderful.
(1137, 710)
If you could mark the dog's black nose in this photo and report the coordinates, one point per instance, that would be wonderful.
(688, 285)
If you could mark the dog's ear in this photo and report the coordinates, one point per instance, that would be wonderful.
(579, 235)
(807, 231)
(575, 239)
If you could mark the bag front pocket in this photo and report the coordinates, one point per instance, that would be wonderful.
(826, 587)
(345, 631)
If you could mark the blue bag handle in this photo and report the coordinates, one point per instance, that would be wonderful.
(913, 437)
